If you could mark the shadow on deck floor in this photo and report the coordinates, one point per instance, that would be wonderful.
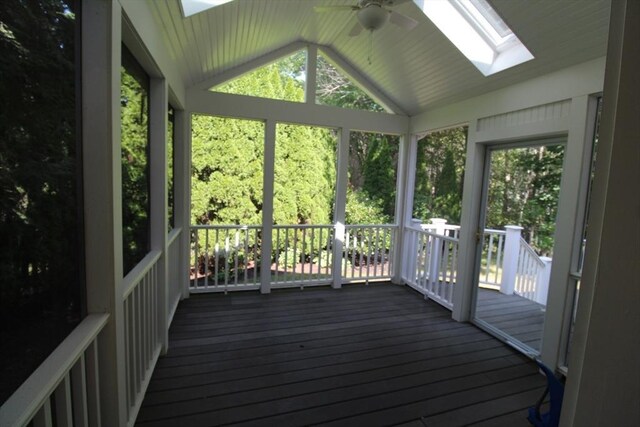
(358, 356)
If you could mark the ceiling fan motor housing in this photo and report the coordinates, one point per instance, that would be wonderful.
(373, 16)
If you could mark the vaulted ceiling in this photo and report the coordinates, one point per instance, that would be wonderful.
(417, 69)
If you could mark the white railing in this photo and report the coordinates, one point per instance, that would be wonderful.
(368, 252)
(142, 329)
(225, 257)
(229, 257)
(303, 255)
(529, 282)
(175, 270)
(492, 258)
(432, 264)
(508, 264)
(64, 389)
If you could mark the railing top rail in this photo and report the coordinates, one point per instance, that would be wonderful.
(223, 227)
(439, 236)
(283, 226)
(494, 231)
(371, 225)
(134, 276)
(173, 235)
(23, 405)
(443, 226)
(529, 249)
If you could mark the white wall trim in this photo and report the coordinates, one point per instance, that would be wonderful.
(581, 79)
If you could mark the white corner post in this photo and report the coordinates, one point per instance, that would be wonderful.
(404, 203)
(436, 251)
(267, 205)
(340, 207)
(542, 282)
(158, 102)
(101, 159)
(510, 258)
(182, 186)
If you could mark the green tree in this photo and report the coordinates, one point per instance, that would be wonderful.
(40, 259)
(440, 175)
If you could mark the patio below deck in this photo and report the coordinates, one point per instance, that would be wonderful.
(362, 355)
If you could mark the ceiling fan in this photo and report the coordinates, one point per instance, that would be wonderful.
(373, 15)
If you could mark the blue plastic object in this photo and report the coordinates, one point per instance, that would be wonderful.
(555, 389)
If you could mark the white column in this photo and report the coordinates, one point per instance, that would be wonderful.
(267, 205)
(510, 258)
(404, 202)
(182, 201)
(159, 99)
(542, 282)
(101, 159)
(436, 252)
(340, 206)
(469, 226)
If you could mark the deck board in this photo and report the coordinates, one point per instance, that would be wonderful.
(361, 355)
(517, 316)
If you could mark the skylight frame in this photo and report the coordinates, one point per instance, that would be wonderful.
(479, 33)
(192, 7)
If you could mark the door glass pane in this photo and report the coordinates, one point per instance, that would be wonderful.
(517, 242)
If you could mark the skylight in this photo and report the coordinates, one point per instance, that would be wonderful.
(191, 7)
(477, 30)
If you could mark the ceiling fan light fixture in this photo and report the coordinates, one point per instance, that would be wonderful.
(373, 17)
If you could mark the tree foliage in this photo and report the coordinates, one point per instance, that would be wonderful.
(40, 282)
(439, 175)
(134, 119)
(524, 190)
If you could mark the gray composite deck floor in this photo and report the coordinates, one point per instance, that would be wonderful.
(358, 356)
(517, 316)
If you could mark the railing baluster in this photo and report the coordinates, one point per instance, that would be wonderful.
(79, 392)
(216, 260)
(43, 417)
(489, 253)
(93, 384)
(236, 247)
(245, 254)
(206, 259)
(62, 397)
(303, 254)
(226, 259)
(197, 261)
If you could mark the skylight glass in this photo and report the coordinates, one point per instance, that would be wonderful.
(478, 31)
(191, 7)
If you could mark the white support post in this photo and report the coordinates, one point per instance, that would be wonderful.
(510, 258)
(102, 168)
(340, 207)
(542, 282)
(159, 99)
(436, 252)
(182, 186)
(267, 205)
(312, 69)
(404, 202)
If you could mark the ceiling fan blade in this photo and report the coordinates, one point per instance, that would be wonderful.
(334, 8)
(402, 20)
(357, 29)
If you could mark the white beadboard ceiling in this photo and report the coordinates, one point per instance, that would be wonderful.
(417, 69)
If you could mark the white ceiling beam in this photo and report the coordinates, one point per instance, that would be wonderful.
(253, 108)
(258, 62)
(361, 81)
